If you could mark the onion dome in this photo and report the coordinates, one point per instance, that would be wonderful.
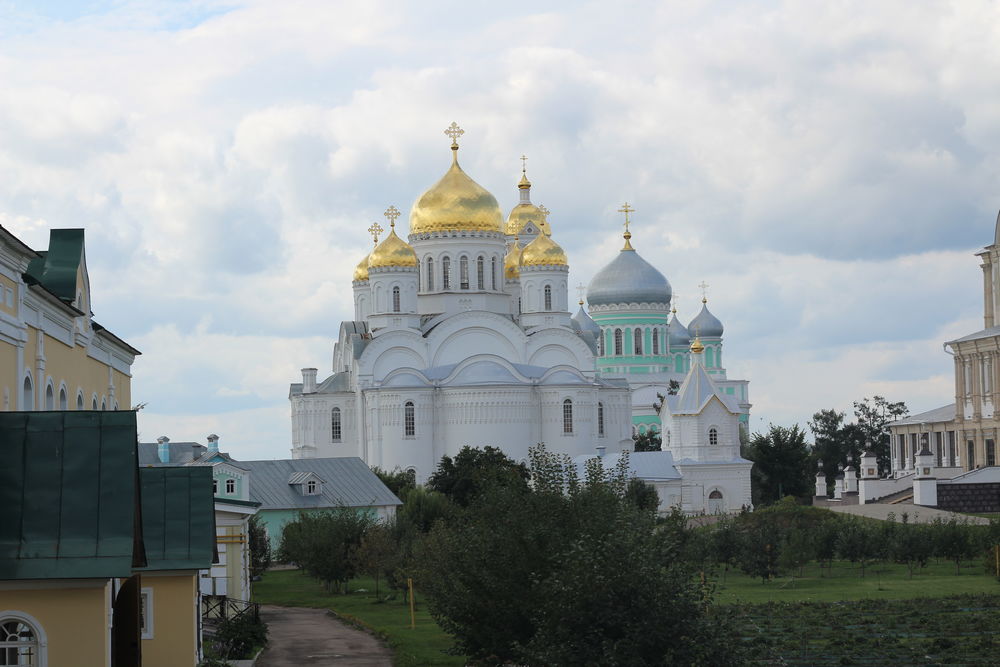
(361, 270)
(543, 251)
(696, 346)
(526, 213)
(628, 278)
(705, 323)
(394, 252)
(586, 322)
(512, 262)
(677, 335)
(456, 203)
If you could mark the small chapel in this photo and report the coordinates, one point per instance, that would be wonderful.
(462, 335)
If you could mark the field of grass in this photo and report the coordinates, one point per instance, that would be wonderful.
(424, 645)
(844, 582)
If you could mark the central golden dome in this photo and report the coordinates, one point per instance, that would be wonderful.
(456, 203)
(543, 251)
(393, 251)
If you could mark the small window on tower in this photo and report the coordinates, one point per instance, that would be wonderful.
(713, 436)
(548, 297)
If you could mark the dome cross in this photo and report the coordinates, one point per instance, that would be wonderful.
(545, 211)
(704, 291)
(524, 163)
(454, 131)
(392, 213)
(581, 290)
(626, 209)
(375, 230)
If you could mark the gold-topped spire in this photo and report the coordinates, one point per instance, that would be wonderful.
(580, 289)
(674, 298)
(626, 209)
(454, 131)
(375, 230)
(392, 213)
(524, 182)
(704, 291)
(696, 346)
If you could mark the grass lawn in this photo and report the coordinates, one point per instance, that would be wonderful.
(424, 645)
(843, 582)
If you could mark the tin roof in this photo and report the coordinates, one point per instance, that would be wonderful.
(68, 489)
(178, 517)
(347, 482)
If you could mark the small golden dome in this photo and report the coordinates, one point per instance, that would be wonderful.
(393, 251)
(512, 262)
(361, 270)
(543, 251)
(696, 346)
(524, 213)
(456, 203)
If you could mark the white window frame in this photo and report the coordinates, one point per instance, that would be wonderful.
(230, 485)
(41, 640)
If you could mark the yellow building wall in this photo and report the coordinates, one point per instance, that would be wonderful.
(175, 621)
(8, 376)
(74, 620)
(5, 284)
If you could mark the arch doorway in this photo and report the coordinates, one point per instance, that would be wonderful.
(716, 503)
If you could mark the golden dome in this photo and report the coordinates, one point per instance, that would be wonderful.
(696, 346)
(524, 213)
(361, 270)
(543, 251)
(512, 262)
(393, 251)
(456, 203)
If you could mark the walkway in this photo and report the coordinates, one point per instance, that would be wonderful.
(915, 513)
(300, 636)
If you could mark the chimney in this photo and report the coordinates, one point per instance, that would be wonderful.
(163, 449)
(601, 449)
(213, 444)
(308, 380)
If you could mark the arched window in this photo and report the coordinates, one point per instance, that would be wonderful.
(409, 420)
(600, 419)
(93, 402)
(618, 342)
(548, 297)
(395, 299)
(230, 486)
(79, 401)
(715, 495)
(446, 272)
(463, 272)
(638, 341)
(656, 340)
(104, 404)
(20, 643)
(335, 431)
(493, 274)
(28, 394)
(567, 416)
(63, 400)
(50, 398)
(713, 436)
(430, 275)
(481, 273)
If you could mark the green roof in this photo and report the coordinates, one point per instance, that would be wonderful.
(56, 268)
(178, 517)
(68, 489)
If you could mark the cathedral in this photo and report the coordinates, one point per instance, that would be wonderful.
(462, 335)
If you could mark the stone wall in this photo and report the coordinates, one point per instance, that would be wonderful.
(969, 497)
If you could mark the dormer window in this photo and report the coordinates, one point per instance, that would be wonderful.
(230, 486)
(215, 487)
(311, 488)
(306, 483)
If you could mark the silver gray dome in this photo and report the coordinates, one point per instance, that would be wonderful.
(586, 322)
(705, 325)
(677, 335)
(628, 279)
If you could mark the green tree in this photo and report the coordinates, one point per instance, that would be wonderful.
(858, 541)
(375, 554)
(873, 414)
(422, 507)
(781, 464)
(260, 547)
(642, 495)
(398, 481)
(835, 443)
(473, 470)
(324, 544)
(650, 441)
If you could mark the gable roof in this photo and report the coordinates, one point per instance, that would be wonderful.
(178, 517)
(695, 393)
(71, 480)
(303, 477)
(348, 482)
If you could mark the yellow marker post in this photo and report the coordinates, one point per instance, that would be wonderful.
(413, 618)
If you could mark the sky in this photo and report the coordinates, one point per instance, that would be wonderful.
(828, 169)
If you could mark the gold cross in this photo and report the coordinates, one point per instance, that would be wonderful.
(581, 288)
(626, 209)
(545, 211)
(704, 291)
(375, 230)
(524, 163)
(674, 298)
(454, 131)
(392, 213)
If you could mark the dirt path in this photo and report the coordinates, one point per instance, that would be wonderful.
(299, 636)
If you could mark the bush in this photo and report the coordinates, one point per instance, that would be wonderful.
(239, 638)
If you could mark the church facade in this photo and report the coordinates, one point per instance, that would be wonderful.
(462, 335)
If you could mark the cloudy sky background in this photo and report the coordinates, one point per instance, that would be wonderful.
(828, 169)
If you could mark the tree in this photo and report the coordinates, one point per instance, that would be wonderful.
(473, 470)
(398, 481)
(873, 414)
(858, 541)
(422, 507)
(642, 495)
(650, 441)
(781, 464)
(375, 552)
(569, 573)
(260, 547)
(835, 443)
(323, 543)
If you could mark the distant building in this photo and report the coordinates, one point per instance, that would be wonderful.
(53, 354)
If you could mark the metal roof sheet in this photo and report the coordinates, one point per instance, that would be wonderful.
(653, 466)
(180, 453)
(945, 413)
(69, 478)
(178, 517)
(348, 482)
